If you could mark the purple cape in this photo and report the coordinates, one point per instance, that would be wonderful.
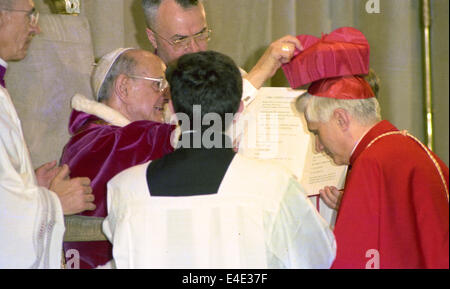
(99, 151)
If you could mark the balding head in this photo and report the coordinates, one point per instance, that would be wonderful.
(176, 27)
(151, 7)
(132, 86)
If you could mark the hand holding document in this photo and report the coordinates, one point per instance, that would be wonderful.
(272, 129)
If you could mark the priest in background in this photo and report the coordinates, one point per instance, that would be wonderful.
(178, 27)
(32, 203)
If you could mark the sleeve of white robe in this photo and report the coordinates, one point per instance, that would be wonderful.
(130, 188)
(248, 90)
(281, 224)
(298, 236)
(31, 217)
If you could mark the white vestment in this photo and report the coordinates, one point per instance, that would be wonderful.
(31, 217)
(260, 218)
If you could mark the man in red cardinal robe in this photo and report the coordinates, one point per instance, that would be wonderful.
(394, 212)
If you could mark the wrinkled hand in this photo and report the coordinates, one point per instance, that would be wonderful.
(46, 173)
(279, 52)
(331, 197)
(74, 194)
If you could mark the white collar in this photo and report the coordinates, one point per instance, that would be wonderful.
(108, 114)
(3, 63)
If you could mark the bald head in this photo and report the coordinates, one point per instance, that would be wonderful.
(151, 59)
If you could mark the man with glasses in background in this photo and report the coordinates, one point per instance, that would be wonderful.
(122, 128)
(32, 203)
(178, 27)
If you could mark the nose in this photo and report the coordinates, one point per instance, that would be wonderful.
(318, 145)
(193, 46)
(166, 94)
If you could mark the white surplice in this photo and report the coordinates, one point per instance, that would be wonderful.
(31, 217)
(260, 218)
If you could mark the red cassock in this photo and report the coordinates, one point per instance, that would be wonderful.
(99, 151)
(394, 212)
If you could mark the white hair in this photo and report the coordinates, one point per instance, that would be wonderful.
(320, 109)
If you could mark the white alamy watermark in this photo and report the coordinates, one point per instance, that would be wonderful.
(373, 6)
(262, 131)
(374, 259)
(72, 259)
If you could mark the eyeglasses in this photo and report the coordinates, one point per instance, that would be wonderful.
(162, 82)
(33, 14)
(183, 42)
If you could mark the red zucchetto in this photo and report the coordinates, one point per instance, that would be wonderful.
(342, 87)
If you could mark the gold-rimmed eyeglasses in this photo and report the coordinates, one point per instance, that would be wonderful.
(33, 14)
(162, 82)
(183, 42)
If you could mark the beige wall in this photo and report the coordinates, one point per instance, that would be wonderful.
(244, 28)
(440, 74)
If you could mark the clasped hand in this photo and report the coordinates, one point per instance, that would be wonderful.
(74, 194)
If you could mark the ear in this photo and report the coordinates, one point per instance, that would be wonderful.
(342, 118)
(151, 37)
(122, 89)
